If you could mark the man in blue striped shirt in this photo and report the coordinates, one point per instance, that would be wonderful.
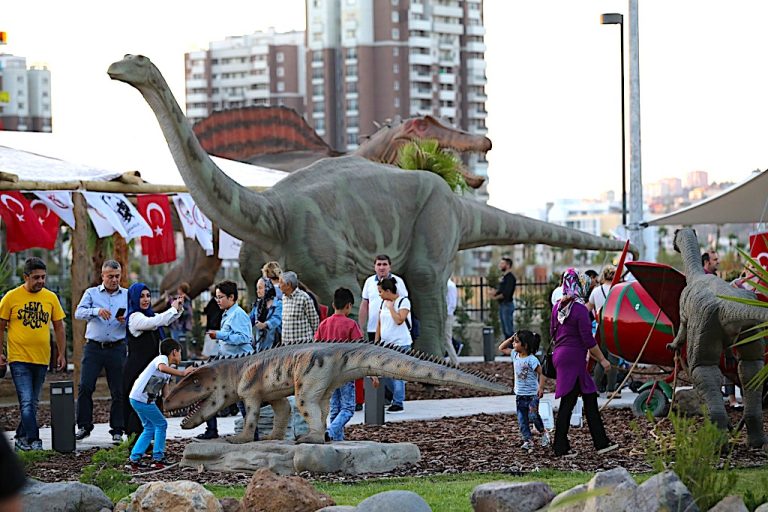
(103, 307)
(234, 338)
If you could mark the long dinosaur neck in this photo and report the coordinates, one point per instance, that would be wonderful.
(688, 245)
(241, 212)
(486, 225)
(379, 147)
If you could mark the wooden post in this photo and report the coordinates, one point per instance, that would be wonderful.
(120, 254)
(80, 275)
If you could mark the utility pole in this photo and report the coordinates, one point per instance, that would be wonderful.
(635, 175)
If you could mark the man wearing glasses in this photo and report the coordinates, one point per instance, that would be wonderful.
(234, 338)
(103, 307)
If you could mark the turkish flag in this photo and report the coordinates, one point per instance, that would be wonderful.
(23, 226)
(758, 248)
(48, 219)
(159, 248)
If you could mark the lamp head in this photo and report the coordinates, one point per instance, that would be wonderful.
(612, 19)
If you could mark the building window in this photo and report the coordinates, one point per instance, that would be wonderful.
(280, 57)
(317, 73)
(318, 90)
(395, 17)
(395, 2)
(280, 71)
(351, 53)
(352, 70)
(352, 104)
(353, 122)
(395, 68)
(320, 124)
(351, 87)
(318, 107)
(397, 102)
(396, 85)
(317, 57)
(280, 86)
(352, 139)
(395, 34)
(395, 51)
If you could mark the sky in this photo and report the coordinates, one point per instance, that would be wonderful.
(553, 71)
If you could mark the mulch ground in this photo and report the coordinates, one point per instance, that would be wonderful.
(481, 443)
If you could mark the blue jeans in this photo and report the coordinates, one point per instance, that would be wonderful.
(155, 426)
(397, 387)
(28, 379)
(342, 410)
(112, 359)
(507, 317)
(528, 410)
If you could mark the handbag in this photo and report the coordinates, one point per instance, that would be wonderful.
(548, 366)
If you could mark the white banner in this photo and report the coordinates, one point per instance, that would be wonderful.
(121, 215)
(229, 246)
(194, 223)
(60, 203)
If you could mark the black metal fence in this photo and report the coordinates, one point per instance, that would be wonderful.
(531, 298)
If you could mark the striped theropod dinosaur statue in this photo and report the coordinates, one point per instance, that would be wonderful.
(311, 371)
(709, 325)
(330, 219)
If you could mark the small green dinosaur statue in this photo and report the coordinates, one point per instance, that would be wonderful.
(710, 325)
(311, 371)
(330, 219)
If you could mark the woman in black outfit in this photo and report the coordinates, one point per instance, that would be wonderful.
(144, 332)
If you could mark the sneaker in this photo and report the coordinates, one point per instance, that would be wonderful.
(135, 465)
(21, 444)
(528, 445)
(358, 407)
(394, 408)
(208, 434)
(82, 433)
(37, 444)
(607, 449)
(545, 439)
(158, 464)
(117, 438)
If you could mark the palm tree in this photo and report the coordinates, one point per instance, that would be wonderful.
(426, 154)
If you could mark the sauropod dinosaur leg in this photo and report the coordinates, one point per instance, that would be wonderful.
(252, 411)
(309, 405)
(753, 403)
(282, 410)
(707, 383)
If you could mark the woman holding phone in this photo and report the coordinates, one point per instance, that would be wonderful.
(144, 332)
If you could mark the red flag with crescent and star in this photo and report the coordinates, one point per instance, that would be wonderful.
(161, 247)
(24, 227)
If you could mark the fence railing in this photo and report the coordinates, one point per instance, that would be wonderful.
(475, 293)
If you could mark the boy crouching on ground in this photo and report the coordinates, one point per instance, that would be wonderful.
(145, 391)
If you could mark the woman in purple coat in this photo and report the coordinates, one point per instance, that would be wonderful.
(571, 330)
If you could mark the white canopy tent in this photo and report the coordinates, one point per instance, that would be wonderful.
(744, 203)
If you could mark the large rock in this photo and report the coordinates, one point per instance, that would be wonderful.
(388, 501)
(664, 491)
(63, 497)
(181, 496)
(511, 497)
(688, 402)
(268, 492)
(338, 508)
(762, 508)
(286, 458)
(607, 491)
(730, 504)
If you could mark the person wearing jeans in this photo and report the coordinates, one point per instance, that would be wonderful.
(393, 329)
(342, 410)
(505, 294)
(28, 312)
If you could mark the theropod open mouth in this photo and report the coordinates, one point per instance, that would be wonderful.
(188, 411)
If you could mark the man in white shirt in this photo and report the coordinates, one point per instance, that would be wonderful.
(371, 303)
(451, 299)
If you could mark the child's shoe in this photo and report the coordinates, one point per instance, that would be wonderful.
(545, 439)
(528, 445)
(136, 465)
(158, 464)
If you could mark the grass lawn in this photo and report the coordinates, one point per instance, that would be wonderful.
(450, 493)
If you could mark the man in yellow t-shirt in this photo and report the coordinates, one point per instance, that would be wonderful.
(27, 312)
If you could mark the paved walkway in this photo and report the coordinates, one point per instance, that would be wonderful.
(414, 410)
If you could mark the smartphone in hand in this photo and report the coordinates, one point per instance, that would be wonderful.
(120, 312)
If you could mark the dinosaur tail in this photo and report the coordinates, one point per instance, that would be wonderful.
(393, 362)
(485, 225)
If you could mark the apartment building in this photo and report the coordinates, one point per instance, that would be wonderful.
(25, 96)
(372, 60)
(263, 68)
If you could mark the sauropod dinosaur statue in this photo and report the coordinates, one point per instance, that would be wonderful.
(710, 324)
(328, 220)
(311, 371)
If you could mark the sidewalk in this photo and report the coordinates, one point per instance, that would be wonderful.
(414, 410)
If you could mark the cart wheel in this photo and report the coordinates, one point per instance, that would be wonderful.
(657, 404)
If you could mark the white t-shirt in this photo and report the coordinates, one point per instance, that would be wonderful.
(391, 332)
(371, 294)
(599, 294)
(151, 381)
(451, 297)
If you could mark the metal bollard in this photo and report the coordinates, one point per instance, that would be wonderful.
(374, 403)
(489, 350)
(63, 416)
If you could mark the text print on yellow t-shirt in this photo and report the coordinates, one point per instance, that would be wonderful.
(33, 316)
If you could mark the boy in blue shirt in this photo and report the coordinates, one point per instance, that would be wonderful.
(529, 383)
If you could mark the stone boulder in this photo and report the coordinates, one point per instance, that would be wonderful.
(338, 508)
(730, 504)
(664, 491)
(688, 402)
(511, 497)
(181, 496)
(268, 492)
(388, 501)
(287, 458)
(607, 491)
(231, 505)
(762, 508)
(63, 497)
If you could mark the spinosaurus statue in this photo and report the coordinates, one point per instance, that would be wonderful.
(710, 324)
(311, 371)
(328, 220)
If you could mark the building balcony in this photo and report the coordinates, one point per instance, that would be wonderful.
(197, 83)
(477, 114)
(448, 11)
(197, 113)
(420, 58)
(421, 93)
(196, 98)
(448, 112)
(420, 42)
(475, 30)
(421, 77)
(475, 47)
(256, 94)
(476, 64)
(425, 25)
(447, 78)
(476, 79)
(475, 97)
(447, 95)
(449, 28)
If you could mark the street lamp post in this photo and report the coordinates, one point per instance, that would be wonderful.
(618, 19)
